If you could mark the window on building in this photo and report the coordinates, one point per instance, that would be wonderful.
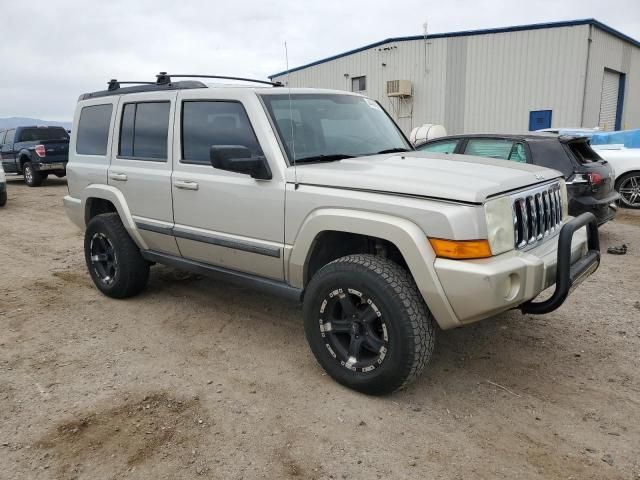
(489, 147)
(358, 84)
(445, 146)
(144, 131)
(93, 130)
(207, 123)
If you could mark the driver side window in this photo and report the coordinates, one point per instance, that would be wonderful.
(207, 123)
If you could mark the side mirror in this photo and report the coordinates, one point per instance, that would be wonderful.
(237, 158)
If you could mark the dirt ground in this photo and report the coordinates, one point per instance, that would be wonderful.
(198, 379)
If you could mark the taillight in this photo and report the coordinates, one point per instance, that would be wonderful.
(595, 178)
(41, 151)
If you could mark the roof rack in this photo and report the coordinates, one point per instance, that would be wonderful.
(164, 78)
(114, 84)
(163, 82)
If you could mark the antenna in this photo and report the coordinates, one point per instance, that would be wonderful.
(425, 26)
(293, 139)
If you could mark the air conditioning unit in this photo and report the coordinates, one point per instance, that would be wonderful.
(399, 88)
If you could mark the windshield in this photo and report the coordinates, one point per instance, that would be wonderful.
(326, 127)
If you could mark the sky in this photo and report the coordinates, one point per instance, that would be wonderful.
(53, 51)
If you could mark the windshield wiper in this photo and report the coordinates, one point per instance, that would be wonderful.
(393, 150)
(323, 158)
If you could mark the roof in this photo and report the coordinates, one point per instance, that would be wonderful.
(527, 136)
(467, 33)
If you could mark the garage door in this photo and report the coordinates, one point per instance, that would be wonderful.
(609, 100)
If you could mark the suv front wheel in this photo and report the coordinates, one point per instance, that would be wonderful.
(367, 324)
(113, 259)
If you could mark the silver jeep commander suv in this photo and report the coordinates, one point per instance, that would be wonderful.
(317, 195)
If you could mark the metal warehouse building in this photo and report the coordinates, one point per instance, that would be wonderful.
(566, 74)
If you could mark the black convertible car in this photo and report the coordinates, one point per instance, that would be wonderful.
(590, 179)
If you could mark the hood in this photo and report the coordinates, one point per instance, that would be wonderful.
(462, 178)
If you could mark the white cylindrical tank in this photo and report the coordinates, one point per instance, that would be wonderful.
(428, 131)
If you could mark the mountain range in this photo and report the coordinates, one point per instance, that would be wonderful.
(11, 122)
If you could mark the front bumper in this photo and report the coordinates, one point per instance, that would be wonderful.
(478, 289)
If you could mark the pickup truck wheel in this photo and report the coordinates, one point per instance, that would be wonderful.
(113, 259)
(367, 324)
(31, 177)
(628, 187)
(3, 198)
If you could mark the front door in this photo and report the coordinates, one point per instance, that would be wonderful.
(8, 153)
(141, 165)
(225, 218)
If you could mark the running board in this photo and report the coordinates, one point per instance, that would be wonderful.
(232, 276)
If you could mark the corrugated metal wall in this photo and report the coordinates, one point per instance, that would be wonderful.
(490, 82)
(612, 53)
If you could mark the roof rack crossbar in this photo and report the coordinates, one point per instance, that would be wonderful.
(163, 78)
(114, 84)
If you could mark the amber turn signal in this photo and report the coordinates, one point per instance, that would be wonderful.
(460, 249)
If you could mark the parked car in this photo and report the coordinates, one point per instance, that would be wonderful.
(589, 178)
(317, 195)
(3, 188)
(626, 164)
(35, 152)
(622, 150)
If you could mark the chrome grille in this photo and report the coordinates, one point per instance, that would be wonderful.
(537, 214)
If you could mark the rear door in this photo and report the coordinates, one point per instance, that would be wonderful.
(588, 162)
(141, 164)
(501, 148)
(8, 153)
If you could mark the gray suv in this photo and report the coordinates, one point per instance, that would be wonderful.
(318, 196)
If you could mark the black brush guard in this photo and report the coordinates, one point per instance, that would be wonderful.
(567, 275)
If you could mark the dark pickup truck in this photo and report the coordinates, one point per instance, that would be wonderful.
(35, 152)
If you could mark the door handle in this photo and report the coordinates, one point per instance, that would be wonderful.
(185, 185)
(120, 177)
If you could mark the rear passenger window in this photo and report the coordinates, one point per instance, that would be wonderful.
(447, 146)
(144, 131)
(489, 147)
(207, 123)
(518, 153)
(93, 130)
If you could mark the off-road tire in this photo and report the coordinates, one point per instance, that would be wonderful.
(3, 198)
(31, 177)
(131, 270)
(410, 325)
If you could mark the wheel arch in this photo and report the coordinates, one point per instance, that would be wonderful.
(405, 236)
(98, 199)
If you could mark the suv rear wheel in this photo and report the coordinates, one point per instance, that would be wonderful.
(32, 177)
(114, 260)
(367, 324)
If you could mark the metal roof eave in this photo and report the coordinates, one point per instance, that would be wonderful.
(517, 28)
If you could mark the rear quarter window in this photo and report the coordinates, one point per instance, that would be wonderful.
(93, 130)
(445, 146)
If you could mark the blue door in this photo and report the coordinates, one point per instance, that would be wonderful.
(539, 119)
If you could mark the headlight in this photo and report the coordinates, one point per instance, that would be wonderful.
(499, 217)
(563, 197)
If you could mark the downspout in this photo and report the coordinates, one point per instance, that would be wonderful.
(586, 76)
